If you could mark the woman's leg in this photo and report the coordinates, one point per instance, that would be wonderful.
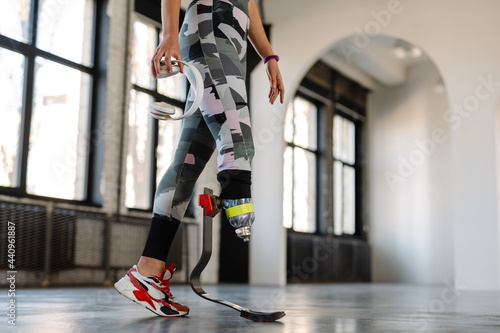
(174, 192)
(222, 30)
(213, 38)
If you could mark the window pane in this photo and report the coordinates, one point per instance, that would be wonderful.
(287, 188)
(57, 160)
(138, 168)
(348, 140)
(304, 191)
(14, 19)
(11, 85)
(305, 121)
(337, 137)
(349, 200)
(338, 195)
(344, 139)
(289, 123)
(143, 46)
(168, 136)
(65, 29)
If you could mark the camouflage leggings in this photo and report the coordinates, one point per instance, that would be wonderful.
(213, 38)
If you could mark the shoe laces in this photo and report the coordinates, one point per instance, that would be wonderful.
(166, 286)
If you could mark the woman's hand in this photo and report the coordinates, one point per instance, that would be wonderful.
(168, 48)
(274, 75)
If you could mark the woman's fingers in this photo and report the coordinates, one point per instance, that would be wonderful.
(276, 82)
(155, 64)
(156, 61)
(181, 65)
(166, 50)
(153, 68)
(168, 62)
(274, 95)
(272, 91)
(276, 89)
(177, 55)
(281, 88)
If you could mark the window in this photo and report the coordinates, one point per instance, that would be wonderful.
(300, 164)
(322, 187)
(47, 75)
(150, 143)
(344, 176)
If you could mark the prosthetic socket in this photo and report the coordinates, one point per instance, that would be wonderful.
(241, 215)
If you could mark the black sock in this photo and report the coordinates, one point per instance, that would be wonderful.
(235, 184)
(160, 238)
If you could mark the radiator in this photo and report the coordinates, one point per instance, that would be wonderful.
(57, 247)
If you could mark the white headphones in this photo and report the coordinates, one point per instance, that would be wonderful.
(164, 111)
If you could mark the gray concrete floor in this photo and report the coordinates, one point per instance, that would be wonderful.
(309, 308)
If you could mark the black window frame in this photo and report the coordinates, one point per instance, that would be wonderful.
(319, 156)
(329, 103)
(96, 71)
(358, 121)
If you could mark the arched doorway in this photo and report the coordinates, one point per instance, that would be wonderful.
(400, 201)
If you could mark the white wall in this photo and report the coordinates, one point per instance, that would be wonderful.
(497, 140)
(460, 36)
(408, 167)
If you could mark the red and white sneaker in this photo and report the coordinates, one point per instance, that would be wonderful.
(152, 292)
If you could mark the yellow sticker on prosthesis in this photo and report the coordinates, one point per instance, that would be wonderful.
(239, 210)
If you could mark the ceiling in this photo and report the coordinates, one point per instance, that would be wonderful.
(372, 60)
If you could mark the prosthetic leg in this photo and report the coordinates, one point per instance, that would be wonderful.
(240, 215)
(211, 207)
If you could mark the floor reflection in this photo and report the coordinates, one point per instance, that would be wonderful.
(309, 308)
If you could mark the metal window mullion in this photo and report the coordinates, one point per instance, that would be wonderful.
(333, 99)
(65, 62)
(359, 185)
(320, 133)
(316, 152)
(92, 120)
(26, 120)
(95, 47)
(154, 140)
(14, 45)
(153, 158)
(27, 106)
(342, 196)
(329, 168)
(293, 164)
(33, 22)
(346, 111)
(159, 97)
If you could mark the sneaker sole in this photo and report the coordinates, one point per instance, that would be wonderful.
(126, 288)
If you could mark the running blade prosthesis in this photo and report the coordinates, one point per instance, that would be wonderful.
(211, 207)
